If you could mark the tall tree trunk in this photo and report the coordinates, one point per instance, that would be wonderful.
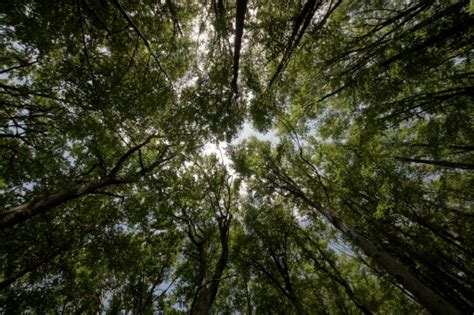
(431, 300)
(207, 291)
(441, 163)
(426, 296)
(239, 31)
(202, 300)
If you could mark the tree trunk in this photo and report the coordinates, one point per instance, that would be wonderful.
(207, 291)
(202, 302)
(441, 163)
(239, 31)
(202, 299)
(27, 210)
(431, 300)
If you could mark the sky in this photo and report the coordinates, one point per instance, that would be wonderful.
(247, 131)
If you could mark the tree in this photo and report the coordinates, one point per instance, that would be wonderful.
(272, 174)
(204, 203)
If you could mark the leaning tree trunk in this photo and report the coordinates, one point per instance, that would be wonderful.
(30, 209)
(430, 299)
(440, 163)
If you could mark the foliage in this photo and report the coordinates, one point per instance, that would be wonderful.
(361, 203)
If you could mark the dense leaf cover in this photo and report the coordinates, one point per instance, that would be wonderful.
(361, 203)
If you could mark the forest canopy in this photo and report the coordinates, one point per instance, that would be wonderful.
(128, 184)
